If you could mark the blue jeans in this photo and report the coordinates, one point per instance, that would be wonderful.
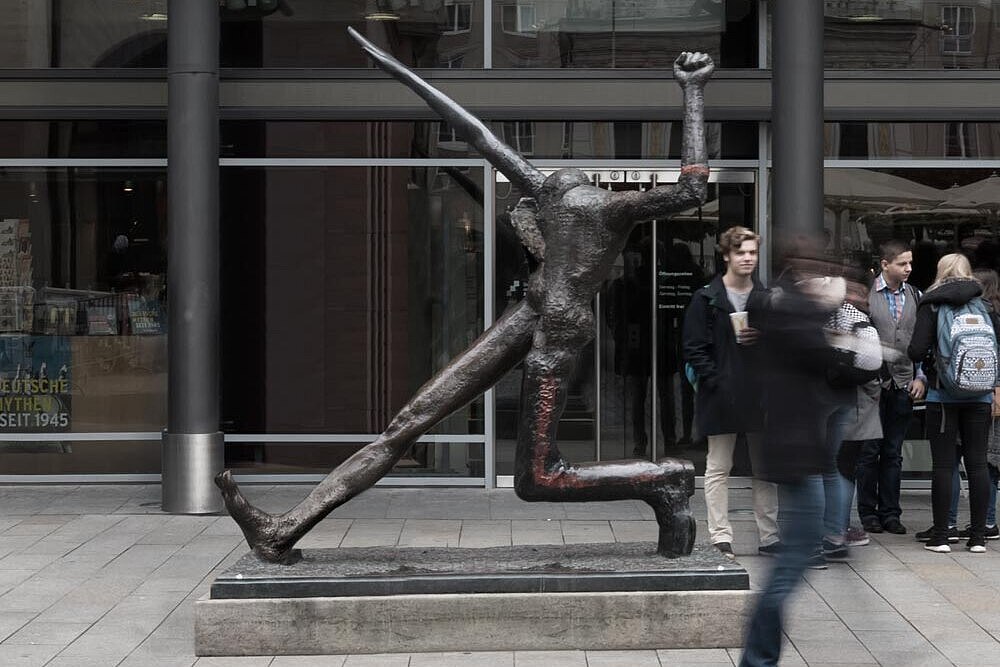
(800, 507)
(881, 463)
(991, 510)
(835, 512)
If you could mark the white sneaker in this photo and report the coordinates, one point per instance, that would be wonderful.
(938, 548)
(978, 549)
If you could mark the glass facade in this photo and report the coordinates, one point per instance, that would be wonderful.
(360, 255)
(345, 289)
(570, 140)
(911, 34)
(83, 334)
(635, 34)
(912, 141)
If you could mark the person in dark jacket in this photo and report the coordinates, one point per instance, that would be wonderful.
(728, 397)
(795, 361)
(949, 415)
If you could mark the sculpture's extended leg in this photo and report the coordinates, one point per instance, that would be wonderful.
(541, 474)
(475, 370)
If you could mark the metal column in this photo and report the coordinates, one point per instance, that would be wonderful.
(797, 113)
(192, 447)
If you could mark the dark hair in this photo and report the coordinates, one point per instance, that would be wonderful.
(892, 249)
(990, 281)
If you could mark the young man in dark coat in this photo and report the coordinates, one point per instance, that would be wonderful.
(728, 389)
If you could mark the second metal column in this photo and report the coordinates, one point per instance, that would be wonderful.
(192, 450)
(797, 113)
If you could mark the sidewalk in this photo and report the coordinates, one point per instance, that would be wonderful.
(96, 576)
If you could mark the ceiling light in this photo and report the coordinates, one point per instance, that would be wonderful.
(382, 16)
(155, 16)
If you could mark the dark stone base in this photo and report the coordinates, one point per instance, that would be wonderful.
(389, 600)
(579, 568)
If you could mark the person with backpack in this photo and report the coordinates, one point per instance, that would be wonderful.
(728, 388)
(991, 299)
(955, 339)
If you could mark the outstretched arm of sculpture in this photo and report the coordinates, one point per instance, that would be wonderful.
(520, 172)
(692, 71)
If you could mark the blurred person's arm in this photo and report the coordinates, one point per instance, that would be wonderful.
(698, 347)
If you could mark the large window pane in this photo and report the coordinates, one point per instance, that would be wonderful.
(938, 211)
(957, 139)
(254, 33)
(378, 139)
(82, 303)
(84, 33)
(637, 33)
(912, 34)
(422, 139)
(625, 140)
(344, 290)
(83, 139)
(313, 33)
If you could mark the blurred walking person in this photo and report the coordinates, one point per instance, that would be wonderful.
(794, 454)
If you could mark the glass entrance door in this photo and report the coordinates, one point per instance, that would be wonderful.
(628, 396)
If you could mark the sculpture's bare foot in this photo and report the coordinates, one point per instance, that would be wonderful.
(669, 500)
(260, 529)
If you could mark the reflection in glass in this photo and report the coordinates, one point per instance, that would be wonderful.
(344, 290)
(911, 34)
(621, 33)
(83, 139)
(256, 33)
(118, 457)
(82, 303)
(937, 210)
(957, 139)
(422, 139)
(313, 33)
(626, 140)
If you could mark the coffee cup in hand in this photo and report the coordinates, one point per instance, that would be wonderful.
(740, 320)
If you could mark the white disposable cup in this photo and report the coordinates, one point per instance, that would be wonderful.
(740, 320)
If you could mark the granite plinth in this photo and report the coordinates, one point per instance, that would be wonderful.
(601, 596)
(580, 568)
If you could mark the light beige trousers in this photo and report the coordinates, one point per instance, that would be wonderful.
(765, 494)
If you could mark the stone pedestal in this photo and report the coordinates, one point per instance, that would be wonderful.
(386, 600)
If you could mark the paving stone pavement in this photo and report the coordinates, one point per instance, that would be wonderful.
(98, 575)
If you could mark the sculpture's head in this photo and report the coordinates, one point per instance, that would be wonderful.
(562, 181)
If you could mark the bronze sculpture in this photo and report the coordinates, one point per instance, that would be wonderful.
(575, 231)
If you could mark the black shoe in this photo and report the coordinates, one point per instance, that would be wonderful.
(894, 526)
(817, 561)
(992, 532)
(726, 549)
(976, 544)
(835, 552)
(771, 550)
(871, 526)
(924, 535)
(938, 545)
